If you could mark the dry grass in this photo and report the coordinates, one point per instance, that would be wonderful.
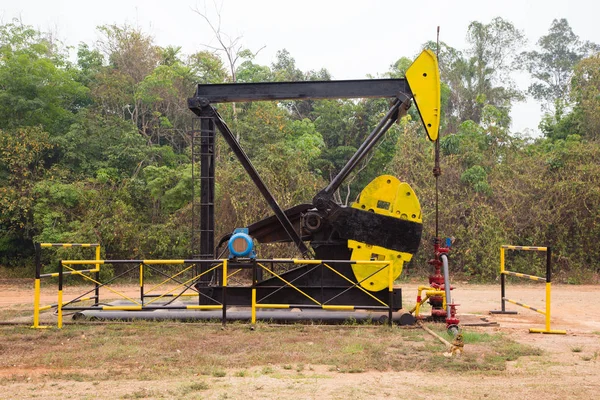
(145, 350)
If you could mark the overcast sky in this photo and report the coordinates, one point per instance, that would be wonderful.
(351, 38)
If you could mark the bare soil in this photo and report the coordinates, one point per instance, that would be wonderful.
(47, 364)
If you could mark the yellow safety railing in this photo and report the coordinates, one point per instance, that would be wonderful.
(547, 280)
(68, 267)
(38, 276)
(323, 305)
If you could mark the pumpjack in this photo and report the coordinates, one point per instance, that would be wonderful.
(385, 223)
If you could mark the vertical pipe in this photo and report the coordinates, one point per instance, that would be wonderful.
(253, 320)
(36, 304)
(97, 290)
(391, 291)
(36, 293)
(60, 294)
(548, 295)
(142, 283)
(548, 286)
(447, 285)
(224, 300)
(502, 280)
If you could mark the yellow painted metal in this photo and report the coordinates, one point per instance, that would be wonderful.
(288, 283)
(278, 306)
(105, 286)
(520, 275)
(59, 309)
(385, 195)
(82, 262)
(36, 304)
(170, 278)
(97, 258)
(525, 306)
(502, 260)
(141, 275)
(340, 308)
(207, 307)
(163, 261)
(314, 262)
(224, 272)
(355, 283)
(429, 291)
(253, 316)
(193, 278)
(122, 308)
(548, 295)
(423, 77)
(526, 248)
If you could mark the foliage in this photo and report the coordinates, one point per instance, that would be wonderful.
(99, 150)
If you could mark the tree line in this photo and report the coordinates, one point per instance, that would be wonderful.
(98, 149)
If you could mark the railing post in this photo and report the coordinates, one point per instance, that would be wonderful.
(142, 283)
(224, 300)
(391, 292)
(37, 288)
(60, 294)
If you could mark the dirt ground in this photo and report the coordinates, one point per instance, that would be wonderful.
(567, 369)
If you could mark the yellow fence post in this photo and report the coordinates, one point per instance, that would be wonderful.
(547, 280)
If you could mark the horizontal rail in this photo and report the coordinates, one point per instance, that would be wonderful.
(55, 274)
(204, 261)
(526, 248)
(524, 305)
(319, 307)
(145, 308)
(69, 245)
(520, 275)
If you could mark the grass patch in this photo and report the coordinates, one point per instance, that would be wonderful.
(576, 349)
(153, 350)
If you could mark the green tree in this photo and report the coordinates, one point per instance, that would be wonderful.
(552, 65)
(37, 84)
(586, 94)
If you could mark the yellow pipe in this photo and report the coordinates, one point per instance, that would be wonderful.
(36, 304)
(502, 259)
(211, 307)
(224, 272)
(97, 258)
(253, 319)
(59, 307)
(526, 248)
(163, 261)
(121, 308)
(341, 308)
(307, 261)
(82, 262)
(142, 275)
(548, 295)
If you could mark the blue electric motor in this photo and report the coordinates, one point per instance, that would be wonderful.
(241, 244)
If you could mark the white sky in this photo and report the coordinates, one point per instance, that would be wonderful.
(351, 38)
